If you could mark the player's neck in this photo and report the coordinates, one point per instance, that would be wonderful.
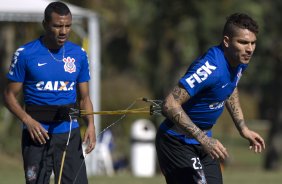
(232, 64)
(49, 44)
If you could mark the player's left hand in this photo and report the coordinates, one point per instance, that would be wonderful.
(89, 138)
(256, 141)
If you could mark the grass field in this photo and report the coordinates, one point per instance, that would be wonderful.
(230, 177)
(243, 166)
(11, 173)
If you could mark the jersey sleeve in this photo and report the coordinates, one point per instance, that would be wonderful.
(84, 74)
(201, 75)
(17, 69)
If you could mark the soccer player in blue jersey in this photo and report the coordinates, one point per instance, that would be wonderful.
(50, 71)
(186, 151)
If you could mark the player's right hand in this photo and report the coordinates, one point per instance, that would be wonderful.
(215, 149)
(36, 131)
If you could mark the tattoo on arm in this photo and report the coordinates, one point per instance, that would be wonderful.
(177, 116)
(180, 95)
(177, 97)
(172, 109)
(235, 110)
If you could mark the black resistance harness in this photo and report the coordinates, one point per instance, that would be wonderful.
(50, 113)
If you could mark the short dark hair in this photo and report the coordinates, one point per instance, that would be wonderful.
(57, 7)
(242, 21)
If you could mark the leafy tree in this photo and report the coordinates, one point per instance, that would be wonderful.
(271, 107)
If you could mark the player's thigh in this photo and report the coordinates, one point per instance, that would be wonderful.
(211, 168)
(178, 161)
(185, 176)
(37, 163)
(73, 168)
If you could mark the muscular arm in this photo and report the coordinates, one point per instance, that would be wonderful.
(36, 131)
(86, 104)
(235, 110)
(10, 98)
(173, 110)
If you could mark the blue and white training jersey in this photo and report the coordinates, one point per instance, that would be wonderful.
(47, 81)
(209, 81)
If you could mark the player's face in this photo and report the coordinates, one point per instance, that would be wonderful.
(240, 47)
(58, 29)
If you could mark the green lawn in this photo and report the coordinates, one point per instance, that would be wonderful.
(243, 166)
(230, 177)
(11, 173)
(252, 176)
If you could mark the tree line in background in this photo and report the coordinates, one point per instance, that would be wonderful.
(147, 45)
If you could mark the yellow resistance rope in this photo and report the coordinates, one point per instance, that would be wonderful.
(153, 109)
(143, 110)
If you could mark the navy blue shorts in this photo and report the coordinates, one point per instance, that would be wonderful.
(183, 163)
(41, 160)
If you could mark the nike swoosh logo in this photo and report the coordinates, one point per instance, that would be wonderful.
(224, 85)
(41, 64)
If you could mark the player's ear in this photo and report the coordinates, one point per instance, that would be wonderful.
(44, 24)
(226, 41)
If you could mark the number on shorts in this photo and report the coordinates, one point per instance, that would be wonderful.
(196, 163)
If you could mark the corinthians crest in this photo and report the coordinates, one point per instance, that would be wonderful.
(69, 64)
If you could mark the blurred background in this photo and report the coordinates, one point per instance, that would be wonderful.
(146, 46)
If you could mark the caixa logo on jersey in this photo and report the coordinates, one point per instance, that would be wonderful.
(216, 105)
(69, 64)
(55, 86)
